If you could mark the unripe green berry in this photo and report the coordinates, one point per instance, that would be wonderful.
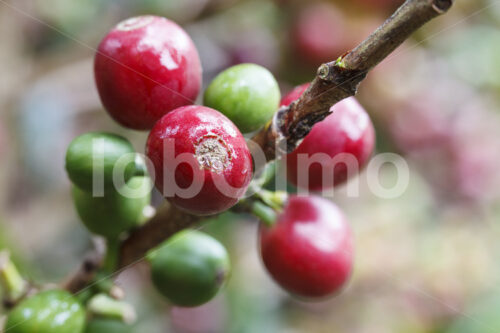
(115, 212)
(248, 94)
(98, 154)
(189, 268)
(51, 311)
(107, 325)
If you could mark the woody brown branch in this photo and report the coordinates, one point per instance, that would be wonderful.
(334, 81)
(340, 78)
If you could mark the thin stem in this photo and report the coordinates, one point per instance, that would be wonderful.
(104, 306)
(266, 214)
(111, 258)
(15, 287)
(103, 279)
(275, 200)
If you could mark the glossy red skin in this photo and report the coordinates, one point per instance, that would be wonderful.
(319, 34)
(309, 251)
(348, 130)
(186, 125)
(294, 94)
(144, 72)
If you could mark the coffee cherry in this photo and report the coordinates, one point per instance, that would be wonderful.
(189, 268)
(107, 325)
(51, 311)
(201, 161)
(145, 67)
(309, 249)
(340, 145)
(294, 94)
(115, 212)
(247, 94)
(98, 153)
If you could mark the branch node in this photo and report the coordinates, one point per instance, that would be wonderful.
(323, 72)
(338, 74)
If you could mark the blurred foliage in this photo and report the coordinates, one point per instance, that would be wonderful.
(426, 262)
(473, 54)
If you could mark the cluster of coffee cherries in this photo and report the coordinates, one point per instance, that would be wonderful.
(148, 75)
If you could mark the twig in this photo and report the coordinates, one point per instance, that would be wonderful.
(15, 287)
(339, 79)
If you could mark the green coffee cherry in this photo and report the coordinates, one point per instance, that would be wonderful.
(247, 94)
(189, 268)
(105, 325)
(51, 311)
(98, 153)
(115, 212)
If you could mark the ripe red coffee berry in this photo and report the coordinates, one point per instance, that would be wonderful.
(201, 161)
(335, 149)
(145, 67)
(294, 94)
(309, 250)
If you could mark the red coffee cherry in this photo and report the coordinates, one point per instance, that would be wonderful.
(338, 146)
(309, 249)
(294, 94)
(145, 67)
(201, 161)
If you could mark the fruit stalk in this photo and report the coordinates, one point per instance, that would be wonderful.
(265, 213)
(104, 306)
(112, 255)
(13, 284)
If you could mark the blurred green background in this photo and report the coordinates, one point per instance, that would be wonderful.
(426, 261)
